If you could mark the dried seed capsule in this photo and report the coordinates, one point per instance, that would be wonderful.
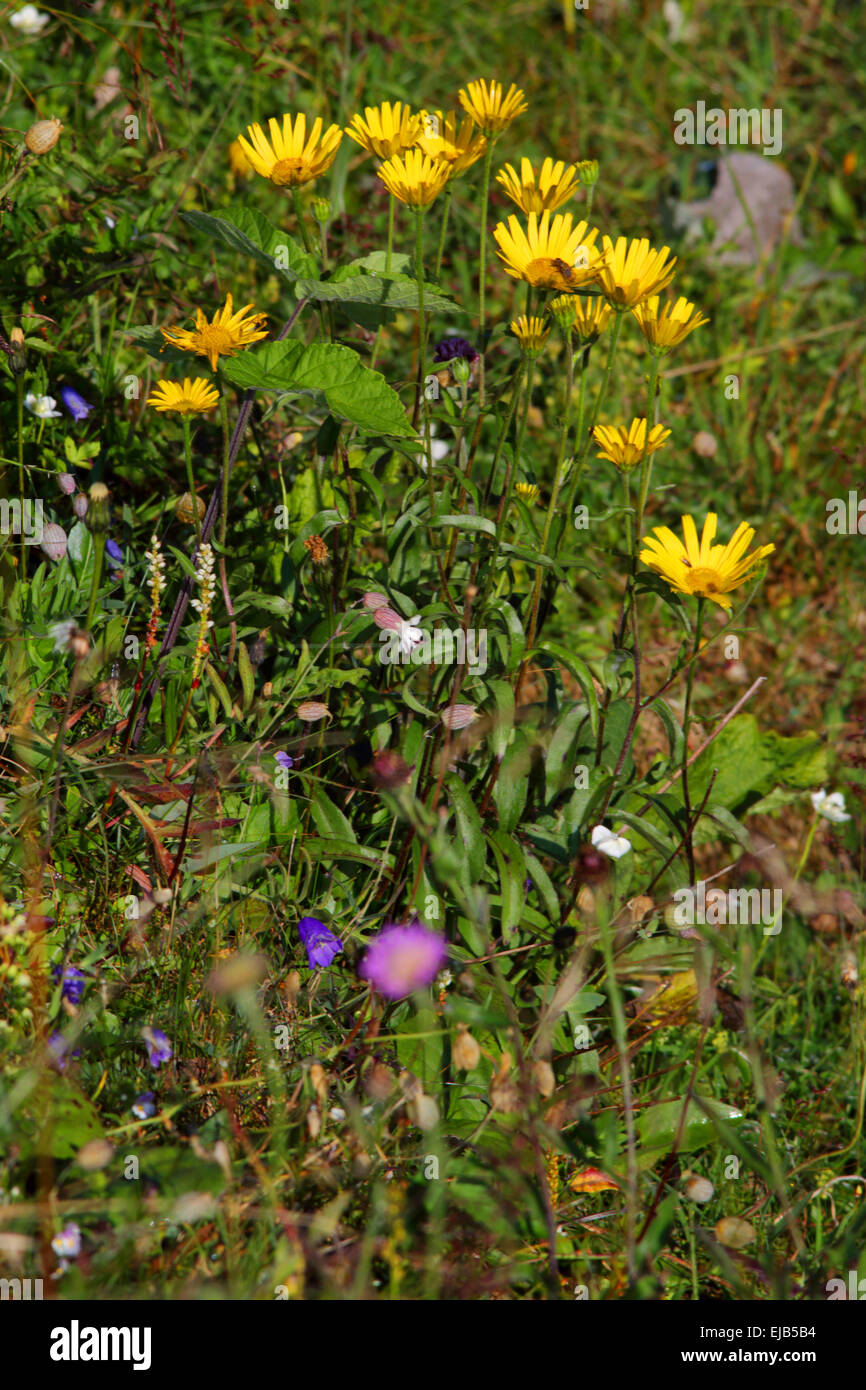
(183, 509)
(43, 136)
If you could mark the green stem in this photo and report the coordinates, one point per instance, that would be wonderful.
(98, 553)
(557, 479)
(505, 503)
(422, 352)
(614, 339)
(446, 208)
(482, 273)
(646, 466)
(19, 385)
(392, 203)
(687, 713)
(577, 468)
(302, 227)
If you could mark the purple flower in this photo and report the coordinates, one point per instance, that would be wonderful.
(74, 983)
(449, 348)
(76, 405)
(143, 1107)
(114, 554)
(402, 959)
(320, 943)
(59, 1049)
(157, 1044)
(285, 761)
(68, 1242)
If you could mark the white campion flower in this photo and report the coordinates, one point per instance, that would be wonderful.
(41, 406)
(29, 20)
(409, 636)
(830, 805)
(606, 842)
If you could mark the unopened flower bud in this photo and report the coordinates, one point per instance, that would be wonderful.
(66, 483)
(321, 209)
(18, 354)
(587, 172)
(98, 518)
(465, 1052)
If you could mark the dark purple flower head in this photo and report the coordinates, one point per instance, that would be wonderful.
(285, 761)
(76, 405)
(74, 983)
(113, 553)
(157, 1044)
(59, 1049)
(449, 348)
(402, 959)
(320, 943)
(143, 1107)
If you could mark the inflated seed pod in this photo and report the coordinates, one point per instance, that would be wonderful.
(183, 509)
(43, 136)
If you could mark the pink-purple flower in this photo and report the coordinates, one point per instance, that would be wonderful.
(320, 943)
(402, 959)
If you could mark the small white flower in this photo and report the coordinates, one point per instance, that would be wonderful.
(337, 1113)
(29, 20)
(409, 636)
(830, 805)
(60, 633)
(41, 406)
(606, 842)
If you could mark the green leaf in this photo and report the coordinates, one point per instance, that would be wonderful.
(328, 849)
(220, 688)
(248, 231)
(465, 522)
(544, 886)
(581, 673)
(397, 293)
(329, 818)
(469, 827)
(512, 875)
(351, 390)
(563, 737)
(423, 1056)
(512, 782)
(749, 762)
(657, 1125)
(245, 671)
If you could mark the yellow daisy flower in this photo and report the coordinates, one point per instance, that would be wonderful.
(187, 398)
(222, 336)
(531, 333)
(666, 328)
(587, 318)
(291, 157)
(238, 162)
(385, 130)
(700, 568)
(634, 270)
(490, 110)
(625, 446)
(528, 491)
(554, 185)
(443, 138)
(550, 255)
(414, 177)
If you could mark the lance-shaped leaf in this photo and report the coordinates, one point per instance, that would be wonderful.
(352, 391)
(348, 285)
